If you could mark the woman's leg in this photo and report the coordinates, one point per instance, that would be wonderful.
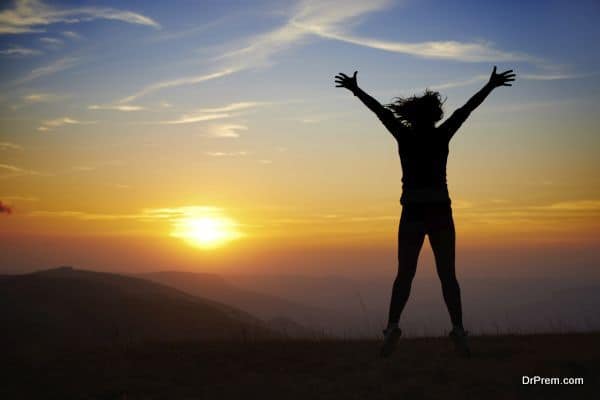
(411, 234)
(442, 237)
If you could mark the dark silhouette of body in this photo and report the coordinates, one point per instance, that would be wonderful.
(426, 204)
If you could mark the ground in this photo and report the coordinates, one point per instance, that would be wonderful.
(421, 368)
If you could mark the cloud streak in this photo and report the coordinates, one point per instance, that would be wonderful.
(13, 171)
(40, 97)
(226, 130)
(10, 146)
(51, 42)
(573, 205)
(557, 76)
(448, 50)
(32, 16)
(116, 107)
(324, 19)
(192, 118)
(189, 80)
(20, 198)
(50, 69)
(327, 19)
(144, 215)
(17, 51)
(72, 35)
(58, 122)
(527, 77)
(226, 154)
(209, 114)
(244, 105)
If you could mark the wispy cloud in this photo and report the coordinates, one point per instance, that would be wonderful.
(189, 80)
(226, 154)
(327, 219)
(52, 68)
(33, 15)
(311, 13)
(72, 35)
(144, 215)
(225, 130)
(556, 76)
(51, 42)
(477, 79)
(17, 51)
(10, 146)
(484, 78)
(58, 122)
(461, 82)
(573, 205)
(19, 198)
(183, 219)
(324, 19)
(532, 106)
(12, 171)
(116, 107)
(40, 97)
(504, 212)
(449, 49)
(178, 212)
(35, 98)
(234, 107)
(328, 19)
(166, 35)
(209, 114)
(192, 118)
(82, 215)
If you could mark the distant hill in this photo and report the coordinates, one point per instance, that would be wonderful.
(69, 306)
(291, 317)
(491, 304)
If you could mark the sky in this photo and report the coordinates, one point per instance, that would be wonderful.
(123, 123)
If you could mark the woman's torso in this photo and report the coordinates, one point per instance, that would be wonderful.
(423, 156)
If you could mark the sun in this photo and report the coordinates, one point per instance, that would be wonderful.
(206, 232)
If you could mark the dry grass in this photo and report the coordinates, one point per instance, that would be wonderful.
(422, 368)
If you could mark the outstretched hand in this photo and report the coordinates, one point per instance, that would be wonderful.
(343, 80)
(502, 78)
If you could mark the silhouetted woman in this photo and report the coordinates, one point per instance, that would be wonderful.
(426, 209)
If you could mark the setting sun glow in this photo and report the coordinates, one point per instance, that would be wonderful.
(206, 232)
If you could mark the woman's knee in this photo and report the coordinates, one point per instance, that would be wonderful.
(406, 273)
(449, 283)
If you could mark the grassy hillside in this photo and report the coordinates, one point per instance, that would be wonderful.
(422, 368)
(67, 307)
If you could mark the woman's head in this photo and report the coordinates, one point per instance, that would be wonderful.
(424, 110)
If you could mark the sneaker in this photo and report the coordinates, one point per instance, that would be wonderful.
(390, 339)
(459, 337)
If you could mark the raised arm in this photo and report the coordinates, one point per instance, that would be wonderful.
(385, 115)
(496, 80)
(461, 114)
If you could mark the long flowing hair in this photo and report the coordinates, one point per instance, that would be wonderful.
(415, 109)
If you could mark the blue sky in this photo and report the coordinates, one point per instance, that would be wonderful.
(181, 38)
